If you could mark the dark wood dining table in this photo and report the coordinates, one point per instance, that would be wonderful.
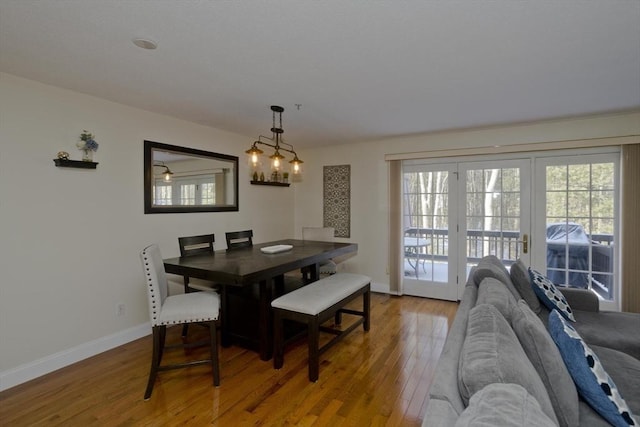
(242, 268)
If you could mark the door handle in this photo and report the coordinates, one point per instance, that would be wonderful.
(525, 243)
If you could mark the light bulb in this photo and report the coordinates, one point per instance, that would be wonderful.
(254, 159)
(296, 168)
(276, 163)
(167, 177)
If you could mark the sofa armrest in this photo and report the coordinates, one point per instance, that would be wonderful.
(581, 299)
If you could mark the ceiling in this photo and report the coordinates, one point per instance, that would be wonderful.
(359, 70)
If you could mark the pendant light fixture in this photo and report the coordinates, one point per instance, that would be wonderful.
(167, 172)
(278, 145)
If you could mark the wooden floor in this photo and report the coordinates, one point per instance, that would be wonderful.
(379, 378)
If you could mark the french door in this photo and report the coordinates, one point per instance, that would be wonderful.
(456, 213)
(429, 215)
(495, 219)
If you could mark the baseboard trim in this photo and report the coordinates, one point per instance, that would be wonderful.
(29, 371)
(382, 288)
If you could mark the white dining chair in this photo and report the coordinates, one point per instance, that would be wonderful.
(166, 310)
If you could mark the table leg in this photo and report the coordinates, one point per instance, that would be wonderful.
(264, 328)
(224, 328)
(314, 272)
(412, 252)
(278, 286)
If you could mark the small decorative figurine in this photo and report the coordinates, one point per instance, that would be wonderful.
(63, 155)
(255, 175)
(262, 176)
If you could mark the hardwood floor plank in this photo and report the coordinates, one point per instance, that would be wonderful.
(379, 378)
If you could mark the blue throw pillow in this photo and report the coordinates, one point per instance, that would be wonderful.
(592, 381)
(550, 296)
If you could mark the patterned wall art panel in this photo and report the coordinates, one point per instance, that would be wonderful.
(337, 199)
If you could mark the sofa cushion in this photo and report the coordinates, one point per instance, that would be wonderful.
(581, 299)
(546, 359)
(550, 296)
(593, 383)
(506, 405)
(624, 370)
(491, 266)
(589, 417)
(445, 386)
(491, 353)
(613, 329)
(522, 282)
(494, 292)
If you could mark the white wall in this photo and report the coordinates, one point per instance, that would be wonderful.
(369, 184)
(70, 238)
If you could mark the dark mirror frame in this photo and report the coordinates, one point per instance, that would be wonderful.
(149, 208)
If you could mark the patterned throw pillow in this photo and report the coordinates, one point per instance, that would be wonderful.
(593, 383)
(550, 296)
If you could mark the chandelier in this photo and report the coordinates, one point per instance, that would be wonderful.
(277, 144)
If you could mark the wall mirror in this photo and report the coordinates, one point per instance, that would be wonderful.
(179, 179)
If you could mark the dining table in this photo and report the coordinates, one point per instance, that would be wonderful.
(239, 271)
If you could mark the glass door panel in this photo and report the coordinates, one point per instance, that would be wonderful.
(428, 218)
(579, 222)
(496, 217)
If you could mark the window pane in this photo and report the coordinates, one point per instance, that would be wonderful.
(579, 177)
(188, 194)
(556, 178)
(602, 176)
(207, 194)
(602, 204)
(580, 226)
(511, 204)
(556, 204)
(162, 193)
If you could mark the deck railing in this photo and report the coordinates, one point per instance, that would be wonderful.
(505, 245)
(479, 243)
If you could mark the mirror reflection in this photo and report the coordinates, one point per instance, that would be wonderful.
(180, 179)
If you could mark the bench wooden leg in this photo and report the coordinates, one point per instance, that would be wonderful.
(314, 350)
(338, 318)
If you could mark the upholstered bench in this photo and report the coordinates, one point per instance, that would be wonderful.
(313, 305)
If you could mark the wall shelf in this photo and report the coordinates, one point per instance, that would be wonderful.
(65, 163)
(274, 184)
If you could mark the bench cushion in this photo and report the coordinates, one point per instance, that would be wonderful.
(320, 295)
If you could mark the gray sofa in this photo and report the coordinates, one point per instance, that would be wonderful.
(545, 394)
